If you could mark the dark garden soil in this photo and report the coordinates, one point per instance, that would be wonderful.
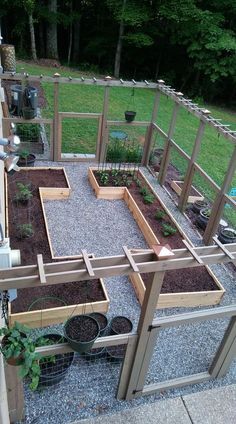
(101, 319)
(68, 294)
(176, 281)
(81, 328)
(121, 325)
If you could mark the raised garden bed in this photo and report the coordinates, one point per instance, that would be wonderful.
(194, 193)
(39, 306)
(191, 287)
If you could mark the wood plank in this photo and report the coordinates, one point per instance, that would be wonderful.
(41, 268)
(225, 250)
(192, 251)
(130, 259)
(191, 198)
(87, 262)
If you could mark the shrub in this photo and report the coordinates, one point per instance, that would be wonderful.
(24, 193)
(25, 230)
(168, 230)
(148, 199)
(28, 132)
(144, 191)
(159, 214)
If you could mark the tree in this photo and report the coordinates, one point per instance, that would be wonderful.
(29, 6)
(52, 47)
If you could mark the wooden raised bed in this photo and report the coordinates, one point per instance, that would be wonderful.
(54, 315)
(166, 300)
(176, 186)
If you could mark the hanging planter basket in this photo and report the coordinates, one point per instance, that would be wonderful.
(81, 332)
(130, 112)
(129, 115)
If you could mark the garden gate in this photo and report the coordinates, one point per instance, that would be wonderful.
(141, 343)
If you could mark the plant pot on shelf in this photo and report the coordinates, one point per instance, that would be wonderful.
(102, 321)
(81, 331)
(227, 235)
(116, 353)
(120, 325)
(26, 160)
(28, 112)
(203, 218)
(94, 354)
(129, 115)
(199, 204)
(54, 367)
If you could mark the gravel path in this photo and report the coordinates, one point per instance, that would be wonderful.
(103, 227)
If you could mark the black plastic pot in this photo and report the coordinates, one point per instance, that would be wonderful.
(116, 353)
(28, 113)
(102, 321)
(52, 372)
(120, 325)
(28, 161)
(202, 219)
(198, 205)
(81, 343)
(129, 115)
(94, 354)
(227, 235)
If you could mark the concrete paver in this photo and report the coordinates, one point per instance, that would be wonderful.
(162, 412)
(214, 406)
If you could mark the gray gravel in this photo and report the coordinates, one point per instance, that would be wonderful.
(102, 227)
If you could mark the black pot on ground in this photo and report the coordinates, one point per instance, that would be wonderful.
(203, 218)
(227, 235)
(81, 332)
(93, 354)
(198, 205)
(55, 367)
(116, 353)
(102, 321)
(120, 325)
(129, 115)
(28, 160)
(28, 112)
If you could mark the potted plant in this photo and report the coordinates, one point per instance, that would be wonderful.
(203, 217)
(24, 194)
(18, 349)
(26, 158)
(199, 204)
(227, 235)
(25, 231)
(81, 331)
(53, 368)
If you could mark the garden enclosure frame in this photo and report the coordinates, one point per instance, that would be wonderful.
(205, 119)
(140, 344)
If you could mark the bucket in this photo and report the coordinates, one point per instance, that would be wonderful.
(8, 58)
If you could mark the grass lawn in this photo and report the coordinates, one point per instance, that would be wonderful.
(79, 136)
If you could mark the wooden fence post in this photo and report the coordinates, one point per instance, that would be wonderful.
(190, 171)
(104, 131)
(15, 394)
(219, 203)
(148, 310)
(166, 154)
(57, 136)
(148, 139)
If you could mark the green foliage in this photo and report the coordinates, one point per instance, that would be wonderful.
(168, 230)
(28, 132)
(24, 231)
(160, 214)
(104, 176)
(23, 154)
(123, 152)
(144, 191)
(24, 193)
(148, 199)
(18, 343)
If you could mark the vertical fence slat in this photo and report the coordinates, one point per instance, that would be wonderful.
(219, 203)
(15, 393)
(167, 150)
(148, 138)
(104, 137)
(57, 138)
(126, 368)
(152, 293)
(225, 352)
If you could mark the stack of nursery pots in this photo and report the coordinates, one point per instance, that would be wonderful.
(119, 325)
(81, 331)
(102, 320)
(199, 204)
(203, 217)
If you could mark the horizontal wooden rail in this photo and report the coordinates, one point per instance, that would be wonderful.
(176, 382)
(68, 271)
(79, 115)
(28, 121)
(189, 317)
(132, 124)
